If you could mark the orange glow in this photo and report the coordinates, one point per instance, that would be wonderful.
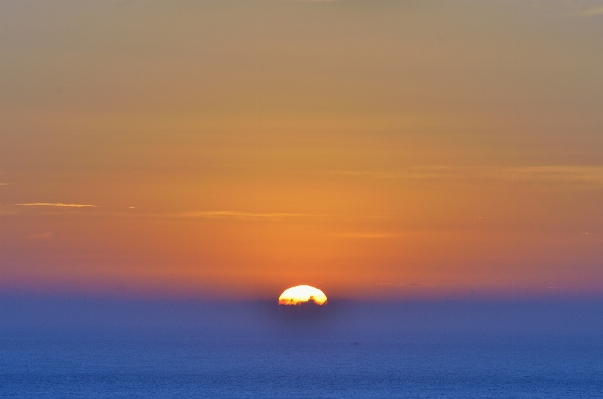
(227, 156)
(302, 293)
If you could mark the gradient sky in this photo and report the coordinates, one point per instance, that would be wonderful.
(374, 149)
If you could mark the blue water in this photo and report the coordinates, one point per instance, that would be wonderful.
(251, 355)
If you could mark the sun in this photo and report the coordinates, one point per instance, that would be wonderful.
(300, 294)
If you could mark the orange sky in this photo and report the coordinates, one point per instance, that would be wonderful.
(233, 149)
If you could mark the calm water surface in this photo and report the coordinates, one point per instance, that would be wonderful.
(298, 362)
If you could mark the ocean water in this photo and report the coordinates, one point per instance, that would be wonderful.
(113, 350)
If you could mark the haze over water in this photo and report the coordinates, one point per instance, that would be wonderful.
(72, 348)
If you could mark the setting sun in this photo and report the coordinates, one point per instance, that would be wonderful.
(302, 293)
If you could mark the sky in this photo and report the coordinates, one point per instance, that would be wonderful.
(377, 150)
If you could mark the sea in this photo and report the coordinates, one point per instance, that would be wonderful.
(107, 348)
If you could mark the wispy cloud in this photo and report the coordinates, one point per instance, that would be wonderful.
(568, 174)
(367, 235)
(408, 284)
(242, 215)
(58, 204)
(47, 235)
(591, 12)
(411, 173)
(555, 173)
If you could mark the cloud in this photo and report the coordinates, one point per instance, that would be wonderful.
(567, 174)
(5, 184)
(58, 204)
(367, 235)
(242, 215)
(556, 173)
(591, 12)
(408, 284)
(41, 236)
(412, 173)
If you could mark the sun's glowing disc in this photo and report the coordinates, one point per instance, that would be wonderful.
(302, 293)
